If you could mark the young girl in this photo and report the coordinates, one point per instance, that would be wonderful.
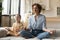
(16, 27)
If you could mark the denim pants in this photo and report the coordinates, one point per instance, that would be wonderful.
(37, 33)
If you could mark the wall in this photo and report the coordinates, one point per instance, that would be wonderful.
(51, 6)
(52, 12)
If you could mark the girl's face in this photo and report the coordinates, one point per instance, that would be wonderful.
(18, 18)
(35, 9)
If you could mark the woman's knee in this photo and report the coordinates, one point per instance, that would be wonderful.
(43, 35)
(25, 34)
(47, 32)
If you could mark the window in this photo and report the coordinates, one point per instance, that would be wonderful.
(10, 9)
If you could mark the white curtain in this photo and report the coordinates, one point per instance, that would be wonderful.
(6, 6)
(14, 6)
(22, 9)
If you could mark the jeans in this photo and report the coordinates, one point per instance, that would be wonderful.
(37, 33)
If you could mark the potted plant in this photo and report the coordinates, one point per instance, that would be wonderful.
(0, 10)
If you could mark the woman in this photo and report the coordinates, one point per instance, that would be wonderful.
(37, 24)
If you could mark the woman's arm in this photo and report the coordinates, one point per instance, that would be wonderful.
(45, 28)
(50, 31)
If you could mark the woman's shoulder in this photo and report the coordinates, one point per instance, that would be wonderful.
(31, 16)
(42, 15)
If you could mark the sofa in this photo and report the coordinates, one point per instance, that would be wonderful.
(3, 36)
(49, 24)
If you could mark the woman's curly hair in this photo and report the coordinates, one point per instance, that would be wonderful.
(38, 5)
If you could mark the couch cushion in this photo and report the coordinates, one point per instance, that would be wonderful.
(48, 39)
(3, 32)
(12, 38)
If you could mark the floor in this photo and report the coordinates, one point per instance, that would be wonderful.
(20, 38)
(17, 38)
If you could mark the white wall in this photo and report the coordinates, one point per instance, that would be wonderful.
(51, 7)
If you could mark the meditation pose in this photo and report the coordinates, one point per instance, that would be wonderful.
(36, 24)
(16, 27)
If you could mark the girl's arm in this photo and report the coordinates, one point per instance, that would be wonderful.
(13, 33)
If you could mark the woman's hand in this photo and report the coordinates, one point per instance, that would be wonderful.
(52, 32)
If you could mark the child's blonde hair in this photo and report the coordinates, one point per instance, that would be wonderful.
(18, 15)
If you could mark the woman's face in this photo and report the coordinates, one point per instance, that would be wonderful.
(35, 9)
